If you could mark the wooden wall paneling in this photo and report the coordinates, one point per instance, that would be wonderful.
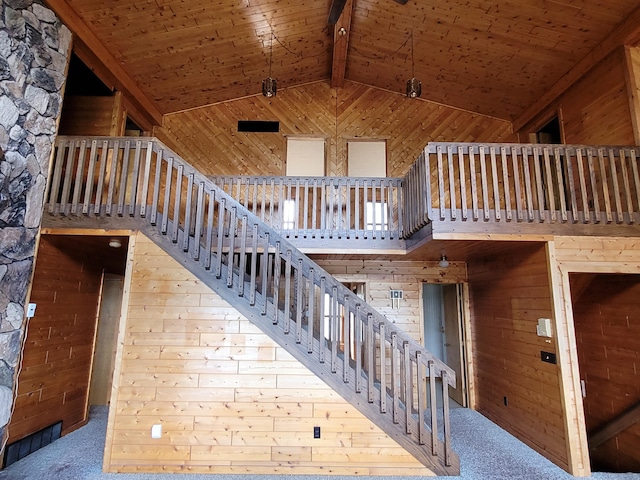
(595, 109)
(229, 399)
(54, 381)
(632, 67)
(208, 139)
(508, 294)
(84, 115)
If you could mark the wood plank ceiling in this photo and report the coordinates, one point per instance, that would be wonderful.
(489, 57)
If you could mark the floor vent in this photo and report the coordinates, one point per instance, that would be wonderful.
(30, 444)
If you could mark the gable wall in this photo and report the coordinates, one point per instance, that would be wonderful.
(207, 137)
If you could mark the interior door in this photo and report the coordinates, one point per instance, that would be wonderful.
(453, 341)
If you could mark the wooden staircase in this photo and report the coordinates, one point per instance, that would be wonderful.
(128, 183)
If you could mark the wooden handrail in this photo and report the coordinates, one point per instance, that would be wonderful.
(320, 321)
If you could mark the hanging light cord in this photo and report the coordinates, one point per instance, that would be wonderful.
(270, 53)
(413, 65)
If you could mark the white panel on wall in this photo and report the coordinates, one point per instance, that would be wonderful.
(305, 157)
(367, 158)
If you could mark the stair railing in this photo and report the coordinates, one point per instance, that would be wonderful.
(372, 363)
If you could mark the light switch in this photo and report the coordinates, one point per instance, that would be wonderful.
(31, 310)
(156, 431)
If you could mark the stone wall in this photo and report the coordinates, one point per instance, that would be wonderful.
(34, 51)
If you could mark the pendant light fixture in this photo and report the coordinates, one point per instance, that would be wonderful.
(270, 85)
(414, 86)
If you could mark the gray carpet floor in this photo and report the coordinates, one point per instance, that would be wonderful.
(486, 452)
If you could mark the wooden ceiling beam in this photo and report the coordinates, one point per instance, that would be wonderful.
(103, 63)
(341, 31)
(627, 32)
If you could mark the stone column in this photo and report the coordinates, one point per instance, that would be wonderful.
(34, 54)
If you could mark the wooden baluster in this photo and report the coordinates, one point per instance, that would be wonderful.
(79, 180)
(395, 377)
(90, 174)
(199, 218)
(374, 213)
(156, 189)
(562, 187)
(124, 176)
(265, 272)
(115, 155)
(370, 351)
(400, 203)
(254, 202)
(299, 287)
(311, 308)
(496, 187)
(452, 184)
(145, 182)
(551, 198)
(537, 166)
(348, 208)
(209, 234)
(636, 177)
(296, 218)
(358, 344)
(68, 176)
(277, 261)
(474, 186)
(314, 210)
(176, 206)
(167, 196)
(232, 242)
(272, 201)
(321, 315)
(333, 328)
(254, 265)
(594, 186)
(339, 219)
(605, 186)
(357, 212)
(287, 292)
(305, 212)
(188, 212)
(434, 408)
(323, 206)
(445, 420)
(527, 183)
(392, 220)
(101, 175)
(421, 377)
(242, 258)
(505, 184)
(57, 174)
(331, 213)
(571, 184)
(263, 199)
(281, 203)
(408, 387)
(221, 221)
(383, 369)
(365, 194)
(463, 184)
(616, 186)
(627, 185)
(346, 351)
(516, 182)
(441, 198)
(583, 186)
(484, 182)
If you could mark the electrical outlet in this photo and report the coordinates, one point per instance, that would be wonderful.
(316, 432)
(156, 431)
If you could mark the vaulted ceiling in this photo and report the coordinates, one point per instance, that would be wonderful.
(492, 57)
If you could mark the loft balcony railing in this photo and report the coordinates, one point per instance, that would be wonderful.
(551, 188)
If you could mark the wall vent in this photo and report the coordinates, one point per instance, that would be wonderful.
(35, 441)
(258, 126)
